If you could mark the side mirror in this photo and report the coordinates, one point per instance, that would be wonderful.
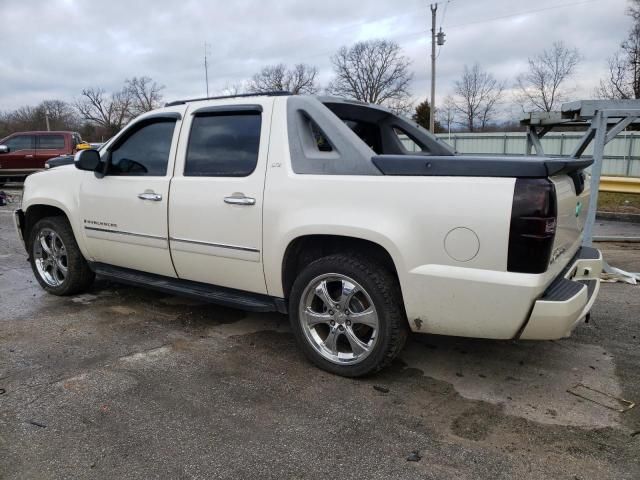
(4, 149)
(88, 160)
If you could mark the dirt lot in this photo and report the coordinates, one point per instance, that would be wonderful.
(127, 383)
(619, 202)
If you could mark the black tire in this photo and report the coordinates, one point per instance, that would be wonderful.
(384, 292)
(79, 276)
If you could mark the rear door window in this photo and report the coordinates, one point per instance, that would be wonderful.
(223, 145)
(50, 142)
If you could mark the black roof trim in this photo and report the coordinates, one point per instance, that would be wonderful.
(279, 93)
(221, 109)
(477, 166)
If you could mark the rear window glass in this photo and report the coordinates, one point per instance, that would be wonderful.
(368, 132)
(408, 143)
(223, 145)
(321, 140)
(50, 142)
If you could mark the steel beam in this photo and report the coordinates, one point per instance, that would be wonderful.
(534, 140)
(618, 127)
(599, 127)
(584, 142)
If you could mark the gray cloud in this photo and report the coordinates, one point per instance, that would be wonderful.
(52, 49)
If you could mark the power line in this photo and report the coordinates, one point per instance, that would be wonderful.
(527, 12)
(444, 16)
(502, 17)
(444, 13)
(421, 33)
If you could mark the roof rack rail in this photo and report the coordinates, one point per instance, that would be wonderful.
(277, 93)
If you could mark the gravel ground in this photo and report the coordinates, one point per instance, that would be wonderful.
(123, 383)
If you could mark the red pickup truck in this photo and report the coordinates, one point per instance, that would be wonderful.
(23, 153)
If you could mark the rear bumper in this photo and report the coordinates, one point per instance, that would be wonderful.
(568, 300)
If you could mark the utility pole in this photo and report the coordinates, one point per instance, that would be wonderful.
(432, 112)
(46, 118)
(436, 39)
(206, 68)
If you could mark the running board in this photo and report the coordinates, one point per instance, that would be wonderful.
(227, 297)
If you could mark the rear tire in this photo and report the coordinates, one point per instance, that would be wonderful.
(56, 259)
(347, 315)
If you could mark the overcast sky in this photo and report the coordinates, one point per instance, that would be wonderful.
(53, 48)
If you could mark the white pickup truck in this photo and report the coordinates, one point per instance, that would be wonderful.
(357, 222)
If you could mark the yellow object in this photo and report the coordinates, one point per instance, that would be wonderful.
(620, 184)
(83, 146)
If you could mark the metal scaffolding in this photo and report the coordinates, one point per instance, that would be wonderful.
(602, 121)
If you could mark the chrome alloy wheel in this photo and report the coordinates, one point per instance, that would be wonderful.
(50, 257)
(338, 319)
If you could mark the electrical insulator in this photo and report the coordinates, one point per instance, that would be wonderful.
(440, 37)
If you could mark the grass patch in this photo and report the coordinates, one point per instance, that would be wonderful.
(619, 202)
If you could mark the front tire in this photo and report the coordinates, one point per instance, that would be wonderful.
(56, 259)
(347, 315)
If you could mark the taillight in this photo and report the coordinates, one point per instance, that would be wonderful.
(533, 225)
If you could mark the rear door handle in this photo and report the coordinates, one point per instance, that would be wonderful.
(154, 197)
(239, 200)
(28, 156)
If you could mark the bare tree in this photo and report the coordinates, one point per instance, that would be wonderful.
(232, 89)
(477, 96)
(302, 79)
(61, 116)
(543, 86)
(446, 113)
(299, 79)
(25, 118)
(403, 106)
(634, 10)
(623, 80)
(374, 71)
(111, 112)
(146, 95)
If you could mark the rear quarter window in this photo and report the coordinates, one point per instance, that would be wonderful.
(50, 142)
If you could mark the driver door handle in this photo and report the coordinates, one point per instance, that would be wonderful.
(239, 200)
(154, 197)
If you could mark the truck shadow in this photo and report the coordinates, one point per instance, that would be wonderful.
(528, 379)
